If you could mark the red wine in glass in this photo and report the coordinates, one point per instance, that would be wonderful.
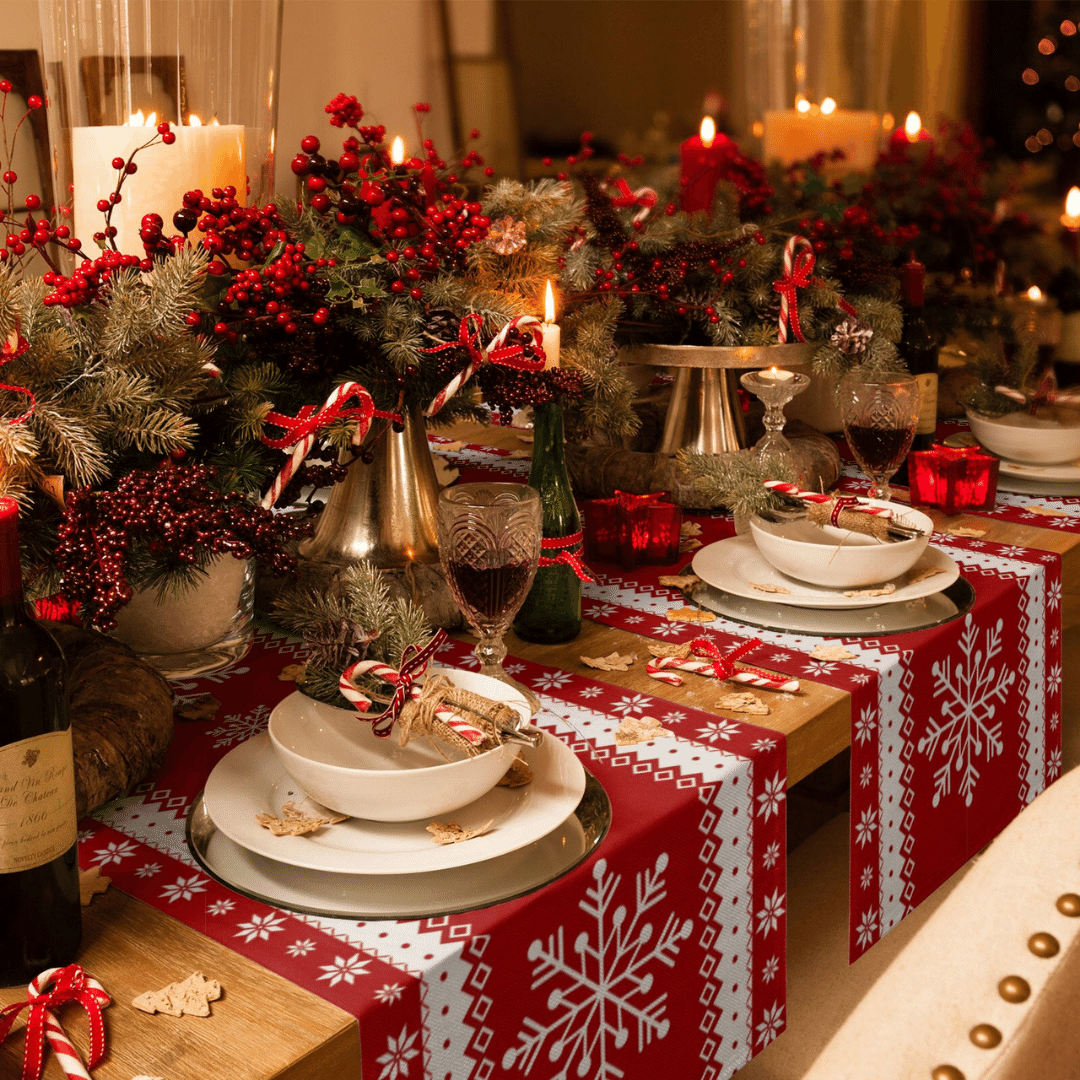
(879, 450)
(491, 593)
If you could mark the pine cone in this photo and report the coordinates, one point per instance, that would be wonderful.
(441, 326)
(852, 337)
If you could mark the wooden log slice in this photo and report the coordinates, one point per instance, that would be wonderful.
(121, 715)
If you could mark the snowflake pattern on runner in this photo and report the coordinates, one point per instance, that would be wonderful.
(971, 691)
(608, 986)
(239, 727)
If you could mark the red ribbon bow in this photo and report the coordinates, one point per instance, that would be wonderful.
(310, 419)
(12, 350)
(840, 504)
(723, 666)
(468, 337)
(569, 556)
(69, 984)
(644, 197)
(788, 286)
(414, 662)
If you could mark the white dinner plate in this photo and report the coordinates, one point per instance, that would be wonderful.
(1069, 472)
(1024, 485)
(403, 896)
(250, 780)
(735, 565)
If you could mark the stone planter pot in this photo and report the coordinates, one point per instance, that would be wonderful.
(196, 630)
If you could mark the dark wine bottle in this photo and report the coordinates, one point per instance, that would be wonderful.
(552, 610)
(919, 350)
(40, 914)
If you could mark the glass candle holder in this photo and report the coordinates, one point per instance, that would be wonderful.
(633, 530)
(775, 387)
(953, 479)
(114, 70)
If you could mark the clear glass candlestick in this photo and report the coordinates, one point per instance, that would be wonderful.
(775, 388)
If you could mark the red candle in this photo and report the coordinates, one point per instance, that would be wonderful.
(911, 132)
(703, 160)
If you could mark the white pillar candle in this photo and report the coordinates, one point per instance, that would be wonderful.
(795, 135)
(202, 157)
(549, 328)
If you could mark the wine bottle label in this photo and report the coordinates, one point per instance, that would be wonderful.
(37, 801)
(927, 422)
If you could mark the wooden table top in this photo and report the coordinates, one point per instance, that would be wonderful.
(266, 1027)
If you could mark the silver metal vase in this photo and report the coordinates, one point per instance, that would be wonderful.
(383, 512)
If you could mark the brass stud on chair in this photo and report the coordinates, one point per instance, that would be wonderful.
(946, 1072)
(985, 1036)
(1069, 904)
(1043, 945)
(1014, 989)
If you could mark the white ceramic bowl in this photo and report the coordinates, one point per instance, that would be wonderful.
(334, 756)
(1051, 438)
(837, 558)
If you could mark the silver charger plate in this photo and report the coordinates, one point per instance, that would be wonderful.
(920, 614)
(402, 896)
(1027, 485)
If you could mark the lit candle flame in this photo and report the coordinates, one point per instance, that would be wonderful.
(1072, 202)
(912, 126)
(708, 131)
(194, 120)
(137, 119)
(828, 107)
(549, 304)
(1034, 293)
(397, 150)
(803, 106)
(888, 121)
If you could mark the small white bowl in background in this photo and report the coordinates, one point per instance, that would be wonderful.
(336, 758)
(837, 558)
(1050, 438)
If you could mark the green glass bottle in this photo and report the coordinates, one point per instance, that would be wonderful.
(552, 610)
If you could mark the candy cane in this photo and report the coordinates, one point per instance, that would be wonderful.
(658, 667)
(793, 491)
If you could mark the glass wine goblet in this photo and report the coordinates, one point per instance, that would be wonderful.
(879, 412)
(489, 546)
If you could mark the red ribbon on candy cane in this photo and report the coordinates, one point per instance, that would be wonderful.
(840, 502)
(414, 662)
(569, 556)
(707, 659)
(301, 429)
(798, 274)
(644, 197)
(12, 349)
(496, 352)
(68, 984)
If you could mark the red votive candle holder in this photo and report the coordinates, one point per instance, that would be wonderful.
(633, 529)
(953, 479)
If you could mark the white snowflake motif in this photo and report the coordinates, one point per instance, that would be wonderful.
(86, 834)
(772, 966)
(600, 610)
(399, 1052)
(1055, 719)
(184, 888)
(1055, 636)
(762, 745)
(551, 680)
(627, 705)
(221, 907)
(513, 669)
(608, 984)
(1053, 766)
(300, 948)
(780, 657)
(975, 544)
(861, 678)
(866, 775)
(771, 855)
(1053, 679)
(342, 970)
(1011, 551)
(667, 629)
(240, 727)
(718, 729)
(769, 1027)
(771, 798)
(864, 829)
(865, 725)
(867, 877)
(866, 931)
(148, 869)
(966, 729)
(590, 692)
(768, 918)
(116, 853)
(674, 716)
(260, 927)
(819, 667)
(1053, 596)
(388, 993)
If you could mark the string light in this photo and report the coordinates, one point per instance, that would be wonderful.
(1047, 46)
(1030, 76)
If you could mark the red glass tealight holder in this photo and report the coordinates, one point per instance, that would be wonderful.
(633, 529)
(955, 480)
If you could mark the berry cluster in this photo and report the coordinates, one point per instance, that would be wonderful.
(506, 389)
(87, 279)
(172, 514)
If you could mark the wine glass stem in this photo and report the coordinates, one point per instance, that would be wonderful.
(490, 651)
(880, 489)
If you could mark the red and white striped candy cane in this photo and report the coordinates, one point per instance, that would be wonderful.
(796, 275)
(68, 984)
(706, 659)
(840, 502)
